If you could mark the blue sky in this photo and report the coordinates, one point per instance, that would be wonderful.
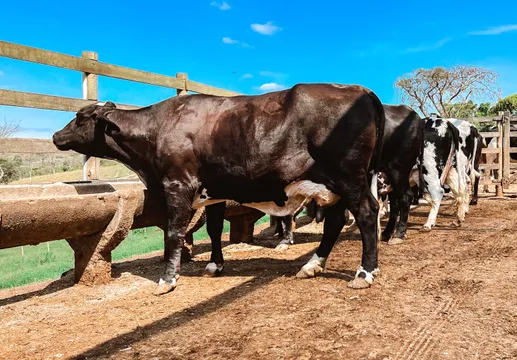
(251, 46)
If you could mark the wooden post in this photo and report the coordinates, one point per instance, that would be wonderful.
(506, 150)
(242, 226)
(91, 166)
(499, 185)
(183, 77)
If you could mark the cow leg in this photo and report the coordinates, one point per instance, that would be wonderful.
(365, 209)
(474, 200)
(460, 194)
(434, 199)
(404, 207)
(394, 213)
(400, 196)
(286, 223)
(279, 228)
(178, 217)
(334, 223)
(214, 227)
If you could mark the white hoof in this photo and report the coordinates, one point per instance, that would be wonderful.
(426, 228)
(165, 286)
(282, 247)
(395, 241)
(365, 280)
(315, 265)
(212, 269)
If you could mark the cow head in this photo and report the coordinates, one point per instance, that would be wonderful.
(86, 133)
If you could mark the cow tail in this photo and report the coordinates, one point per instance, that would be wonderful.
(474, 157)
(456, 142)
(421, 183)
(377, 152)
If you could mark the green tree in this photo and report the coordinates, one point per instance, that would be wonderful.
(485, 109)
(9, 169)
(509, 103)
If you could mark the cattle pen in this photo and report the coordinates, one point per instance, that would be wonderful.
(449, 295)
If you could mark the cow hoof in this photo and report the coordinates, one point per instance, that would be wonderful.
(213, 270)
(282, 247)
(395, 241)
(164, 287)
(315, 265)
(425, 228)
(385, 237)
(359, 283)
(456, 224)
(363, 279)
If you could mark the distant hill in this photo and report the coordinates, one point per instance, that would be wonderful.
(111, 171)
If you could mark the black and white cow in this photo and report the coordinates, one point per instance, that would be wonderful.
(273, 152)
(443, 165)
(403, 143)
(471, 144)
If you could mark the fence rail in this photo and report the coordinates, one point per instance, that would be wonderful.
(91, 67)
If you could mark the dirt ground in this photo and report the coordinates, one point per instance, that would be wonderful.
(448, 294)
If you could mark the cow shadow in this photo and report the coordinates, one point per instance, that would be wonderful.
(62, 283)
(263, 270)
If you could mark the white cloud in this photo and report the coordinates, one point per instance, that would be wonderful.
(265, 29)
(222, 6)
(495, 30)
(247, 76)
(228, 40)
(272, 74)
(430, 47)
(270, 87)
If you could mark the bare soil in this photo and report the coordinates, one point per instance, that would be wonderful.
(447, 294)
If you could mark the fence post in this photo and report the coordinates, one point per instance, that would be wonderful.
(499, 185)
(91, 165)
(183, 91)
(506, 150)
(186, 251)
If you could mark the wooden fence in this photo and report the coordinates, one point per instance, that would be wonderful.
(90, 67)
(501, 162)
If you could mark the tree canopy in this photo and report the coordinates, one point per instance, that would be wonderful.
(509, 103)
(450, 92)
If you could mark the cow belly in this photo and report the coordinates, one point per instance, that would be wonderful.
(299, 193)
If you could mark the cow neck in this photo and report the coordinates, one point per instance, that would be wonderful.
(135, 149)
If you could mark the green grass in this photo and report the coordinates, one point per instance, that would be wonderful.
(38, 263)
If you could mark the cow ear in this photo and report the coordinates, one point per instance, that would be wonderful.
(111, 126)
(109, 105)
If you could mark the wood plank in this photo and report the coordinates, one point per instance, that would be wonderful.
(491, 166)
(207, 89)
(48, 102)
(513, 133)
(513, 165)
(490, 151)
(483, 119)
(513, 150)
(40, 56)
(28, 146)
(490, 134)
